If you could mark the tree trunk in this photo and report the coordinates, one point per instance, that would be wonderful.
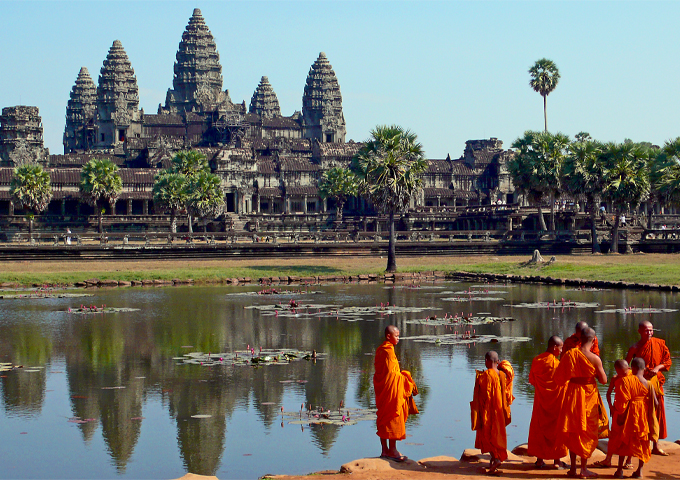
(191, 227)
(392, 247)
(173, 221)
(552, 211)
(650, 214)
(545, 111)
(615, 234)
(99, 217)
(205, 225)
(541, 219)
(593, 226)
(338, 211)
(30, 228)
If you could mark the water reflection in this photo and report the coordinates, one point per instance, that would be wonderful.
(119, 369)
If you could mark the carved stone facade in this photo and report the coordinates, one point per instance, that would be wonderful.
(21, 136)
(81, 115)
(264, 101)
(322, 117)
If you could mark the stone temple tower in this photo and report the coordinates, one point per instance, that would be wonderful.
(117, 100)
(81, 114)
(21, 136)
(265, 101)
(322, 117)
(197, 83)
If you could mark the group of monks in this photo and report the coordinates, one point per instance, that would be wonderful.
(568, 413)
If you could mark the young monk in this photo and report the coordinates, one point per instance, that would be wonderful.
(574, 341)
(630, 405)
(548, 398)
(657, 359)
(578, 422)
(621, 367)
(491, 400)
(393, 387)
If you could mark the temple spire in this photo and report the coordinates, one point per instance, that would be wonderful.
(81, 113)
(264, 101)
(322, 117)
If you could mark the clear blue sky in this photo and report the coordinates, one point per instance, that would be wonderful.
(450, 71)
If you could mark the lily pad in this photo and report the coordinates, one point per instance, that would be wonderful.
(201, 416)
(464, 339)
(338, 312)
(94, 309)
(476, 320)
(472, 299)
(282, 292)
(480, 292)
(257, 358)
(639, 311)
(34, 296)
(340, 417)
(556, 304)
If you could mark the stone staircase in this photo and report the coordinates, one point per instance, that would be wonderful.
(238, 223)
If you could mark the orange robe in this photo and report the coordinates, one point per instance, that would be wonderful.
(575, 342)
(655, 352)
(630, 405)
(392, 388)
(578, 422)
(491, 399)
(548, 399)
(615, 428)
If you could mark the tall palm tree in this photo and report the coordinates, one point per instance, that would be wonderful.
(583, 175)
(665, 178)
(170, 191)
(206, 198)
(100, 180)
(189, 163)
(390, 168)
(30, 187)
(536, 168)
(626, 180)
(339, 184)
(544, 78)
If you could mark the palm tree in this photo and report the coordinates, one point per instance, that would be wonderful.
(189, 163)
(626, 180)
(536, 168)
(390, 168)
(170, 191)
(100, 180)
(665, 175)
(206, 198)
(583, 175)
(339, 184)
(30, 187)
(544, 78)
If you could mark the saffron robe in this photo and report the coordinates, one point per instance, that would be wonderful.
(575, 342)
(630, 405)
(392, 389)
(655, 352)
(491, 401)
(615, 428)
(578, 422)
(548, 399)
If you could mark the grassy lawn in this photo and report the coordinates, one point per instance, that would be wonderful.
(653, 268)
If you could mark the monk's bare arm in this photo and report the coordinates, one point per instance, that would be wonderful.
(655, 400)
(599, 371)
(631, 353)
(609, 392)
(666, 361)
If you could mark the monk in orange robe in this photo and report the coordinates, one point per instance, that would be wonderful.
(630, 405)
(657, 359)
(574, 341)
(491, 410)
(578, 422)
(621, 367)
(393, 390)
(548, 398)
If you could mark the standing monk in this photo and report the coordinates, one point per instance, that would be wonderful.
(548, 398)
(657, 359)
(574, 341)
(630, 406)
(577, 425)
(393, 387)
(491, 411)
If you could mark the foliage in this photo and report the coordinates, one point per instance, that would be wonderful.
(189, 163)
(205, 196)
(544, 78)
(100, 180)
(665, 174)
(31, 187)
(339, 184)
(170, 190)
(627, 177)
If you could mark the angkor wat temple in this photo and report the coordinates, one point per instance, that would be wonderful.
(270, 164)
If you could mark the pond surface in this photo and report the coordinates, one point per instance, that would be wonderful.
(106, 395)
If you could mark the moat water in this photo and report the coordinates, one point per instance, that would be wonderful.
(63, 418)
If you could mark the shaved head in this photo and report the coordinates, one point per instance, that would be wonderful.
(391, 330)
(645, 325)
(554, 341)
(587, 335)
(638, 363)
(580, 326)
(491, 356)
(621, 364)
(646, 330)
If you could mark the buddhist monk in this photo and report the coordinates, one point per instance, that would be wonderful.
(393, 389)
(547, 404)
(491, 411)
(657, 359)
(574, 341)
(630, 405)
(578, 422)
(621, 367)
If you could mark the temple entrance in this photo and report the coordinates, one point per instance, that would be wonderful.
(231, 204)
